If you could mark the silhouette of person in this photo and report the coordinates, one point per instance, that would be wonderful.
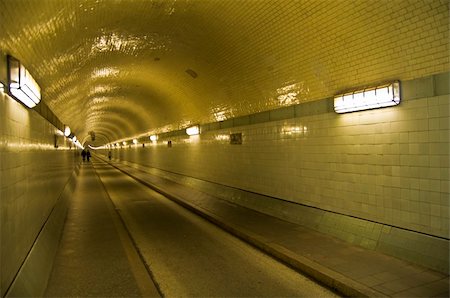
(83, 154)
(88, 155)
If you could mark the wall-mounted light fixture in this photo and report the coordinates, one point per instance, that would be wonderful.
(135, 141)
(124, 143)
(370, 98)
(78, 144)
(193, 130)
(67, 131)
(22, 85)
(153, 138)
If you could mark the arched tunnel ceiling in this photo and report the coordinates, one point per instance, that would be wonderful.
(127, 67)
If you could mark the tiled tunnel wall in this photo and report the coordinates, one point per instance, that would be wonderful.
(376, 178)
(35, 183)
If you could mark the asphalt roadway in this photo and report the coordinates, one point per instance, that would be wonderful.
(188, 256)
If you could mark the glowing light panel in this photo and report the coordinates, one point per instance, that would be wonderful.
(78, 144)
(22, 85)
(153, 138)
(193, 130)
(370, 98)
(67, 131)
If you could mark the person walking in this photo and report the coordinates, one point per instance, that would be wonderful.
(83, 155)
(88, 155)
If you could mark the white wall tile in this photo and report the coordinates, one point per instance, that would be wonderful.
(388, 158)
(28, 193)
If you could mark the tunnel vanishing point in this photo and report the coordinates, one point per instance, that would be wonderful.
(330, 115)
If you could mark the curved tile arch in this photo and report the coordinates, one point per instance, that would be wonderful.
(123, 127)
(129, 111)
(247, 56)
(100, 139)
(110, 129)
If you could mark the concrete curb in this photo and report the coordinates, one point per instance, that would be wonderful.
(318, 272)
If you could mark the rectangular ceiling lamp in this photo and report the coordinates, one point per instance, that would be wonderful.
(371, 98)
(193, 130)
(22, 86)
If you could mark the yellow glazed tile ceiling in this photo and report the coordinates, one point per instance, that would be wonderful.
(124, 68)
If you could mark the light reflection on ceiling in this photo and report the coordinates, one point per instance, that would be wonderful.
(292, 93)
(104, 72)
(127, 68)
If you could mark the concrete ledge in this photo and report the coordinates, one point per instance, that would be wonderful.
(431, 252)
(32, 278)
(422, 249)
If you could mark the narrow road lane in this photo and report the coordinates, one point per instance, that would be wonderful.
(96, 257)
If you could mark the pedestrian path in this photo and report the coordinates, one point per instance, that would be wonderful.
(96, 257)
(350, 269)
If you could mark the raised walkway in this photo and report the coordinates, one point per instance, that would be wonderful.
(351, 270)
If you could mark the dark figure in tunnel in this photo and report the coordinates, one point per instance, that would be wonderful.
(88, 155)
(109, 154)
(83, 155)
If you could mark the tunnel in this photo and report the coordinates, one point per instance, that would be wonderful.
(236, 148)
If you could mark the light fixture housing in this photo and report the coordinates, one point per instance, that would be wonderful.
(22, 85)
(193, 130)
(385, 95)
(153, 138)
(135, 141)
(67, 131)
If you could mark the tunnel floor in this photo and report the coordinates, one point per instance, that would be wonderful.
(350, 269)
(123, 239)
